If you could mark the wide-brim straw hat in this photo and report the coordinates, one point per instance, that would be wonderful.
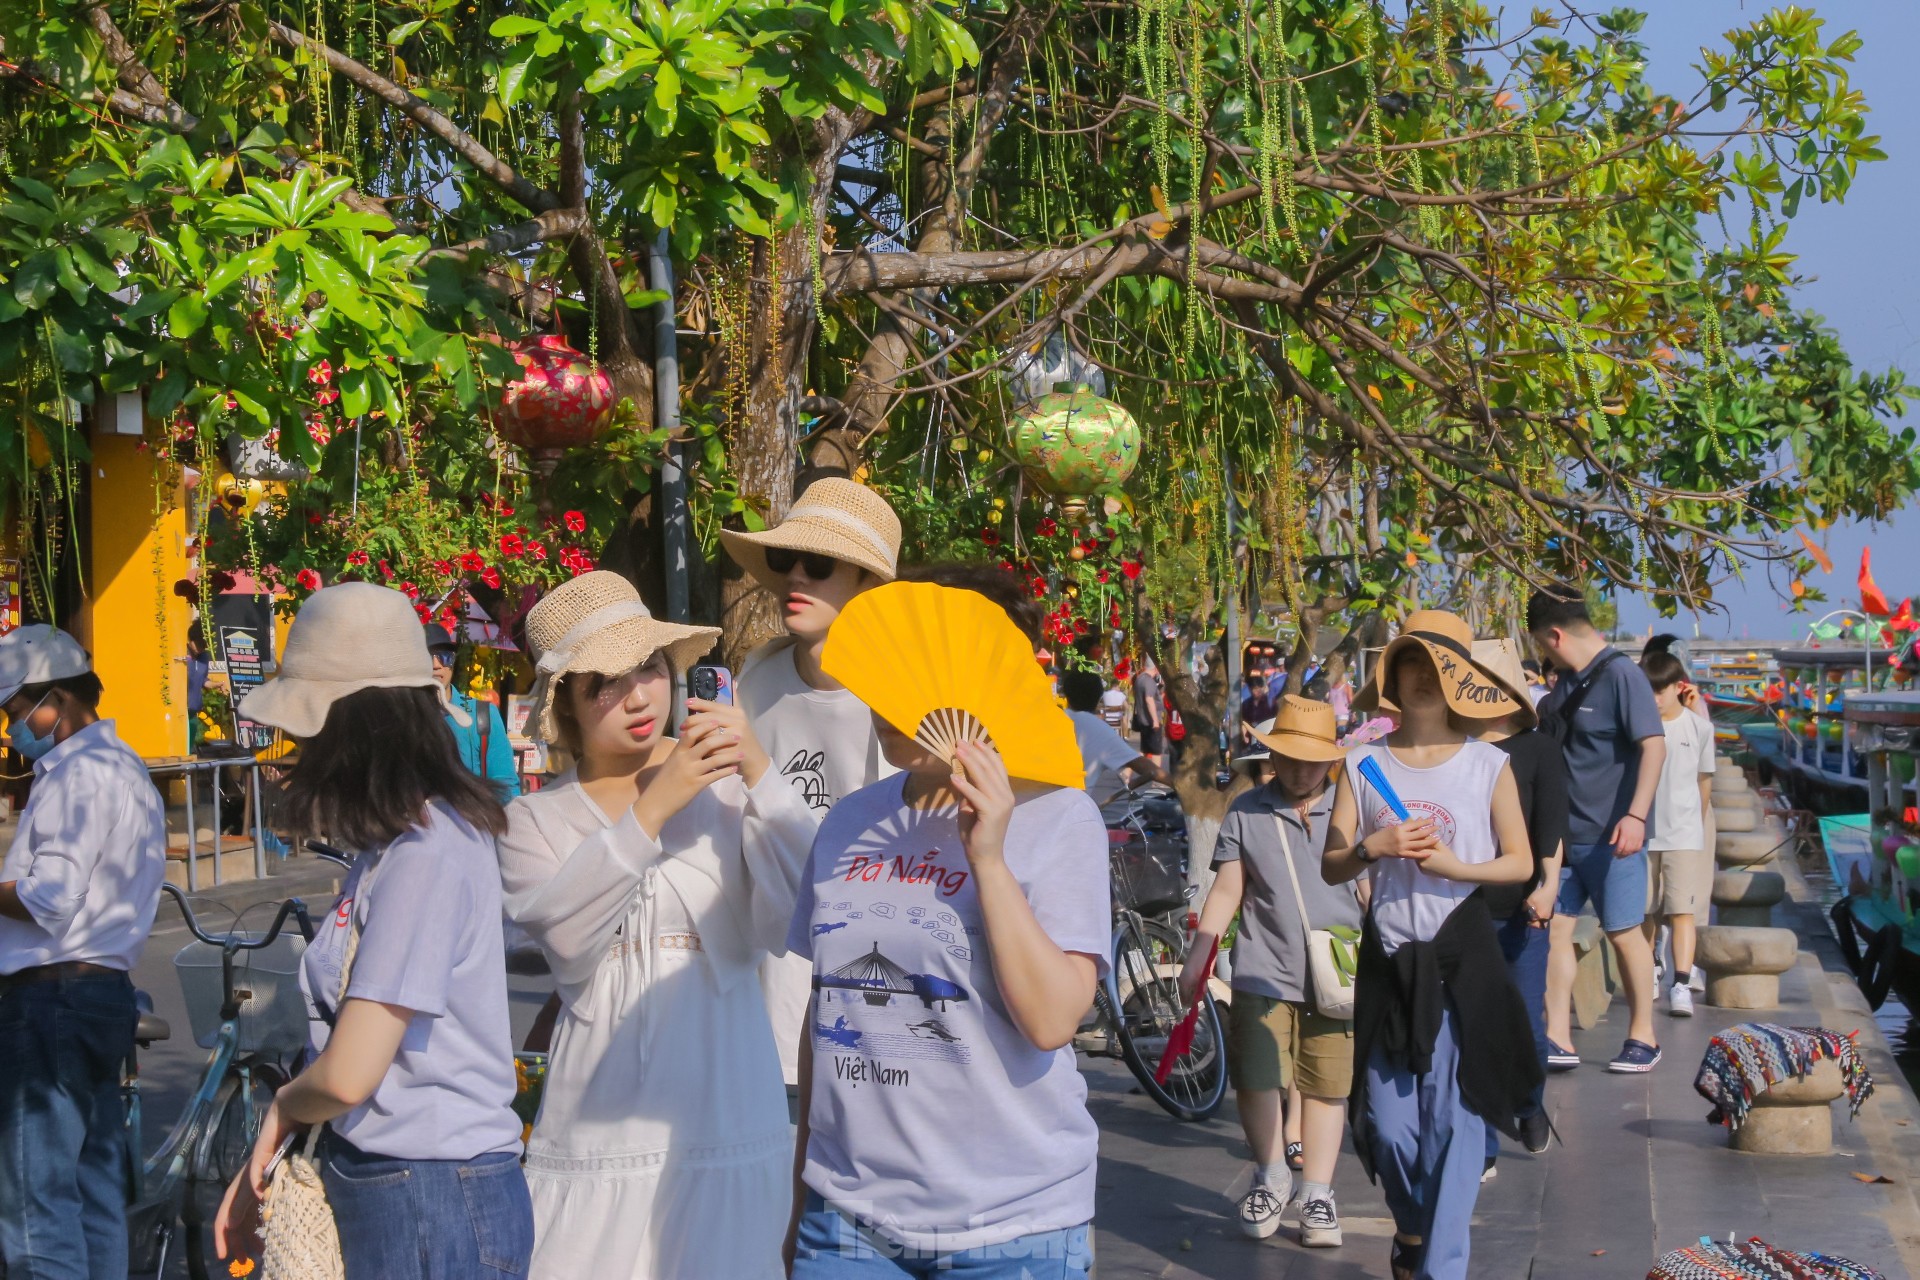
(347, 637)
(1303, 729)
(598, 624)
(833, 517)
(1471, 691)
(1501, 660)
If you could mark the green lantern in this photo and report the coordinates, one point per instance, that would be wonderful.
(1076, 444)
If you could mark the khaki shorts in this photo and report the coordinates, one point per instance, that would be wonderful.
(1679, 881)
(1273, 1043)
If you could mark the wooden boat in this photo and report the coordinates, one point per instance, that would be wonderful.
(1808, 752)
(1875, 855)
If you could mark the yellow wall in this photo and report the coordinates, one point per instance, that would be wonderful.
(136, 627)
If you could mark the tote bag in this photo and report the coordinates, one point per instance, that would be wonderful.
(1332, 954)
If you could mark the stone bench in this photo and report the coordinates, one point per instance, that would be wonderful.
(1593, 982)
(1747, 898)
(1794, 1117)
(1744, 964)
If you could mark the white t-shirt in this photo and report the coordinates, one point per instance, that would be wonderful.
(1678, 820)
(1113, 707)
(1408, 904)
(822, 742)
(932, 1117)
(1104, 752)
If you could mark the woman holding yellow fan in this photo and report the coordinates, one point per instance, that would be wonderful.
(957, 919)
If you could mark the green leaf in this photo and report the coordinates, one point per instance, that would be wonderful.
(504, 28)
(399, 34)
(356, 397)
(186, 315)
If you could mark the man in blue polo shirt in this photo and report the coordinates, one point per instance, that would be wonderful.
(1603, 711)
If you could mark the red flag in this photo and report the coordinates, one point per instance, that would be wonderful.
(1818, 553)
(1872, 600)
(1180, 1043)
(1902, 619)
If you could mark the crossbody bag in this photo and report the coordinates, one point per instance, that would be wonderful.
(1332, 954)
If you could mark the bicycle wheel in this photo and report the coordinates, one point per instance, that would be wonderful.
(221, 1153)
(1146, 967)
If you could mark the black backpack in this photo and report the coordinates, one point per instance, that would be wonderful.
(1558, 722)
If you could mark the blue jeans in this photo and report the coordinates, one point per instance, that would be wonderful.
(428, 1219)
(1617, 886)
(832, 1245)
(1525, 948)
(63, 1128)
(1427, 1151)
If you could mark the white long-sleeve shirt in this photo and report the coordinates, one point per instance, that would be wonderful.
(88, 858)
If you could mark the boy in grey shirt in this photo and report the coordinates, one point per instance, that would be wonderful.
(1275, 1037)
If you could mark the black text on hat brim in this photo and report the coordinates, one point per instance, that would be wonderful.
(1473, 704)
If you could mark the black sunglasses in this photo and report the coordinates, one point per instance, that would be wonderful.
(817, 567)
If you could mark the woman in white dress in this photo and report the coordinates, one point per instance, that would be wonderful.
(655, 876)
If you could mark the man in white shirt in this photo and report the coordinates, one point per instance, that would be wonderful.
(839, 539)
(78, 891)
(1105, 753)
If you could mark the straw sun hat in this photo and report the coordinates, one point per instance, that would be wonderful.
(1471, 690)
(596, 623)
(347, 637)
(1302, 729)
(833, 517)
(1501, 660)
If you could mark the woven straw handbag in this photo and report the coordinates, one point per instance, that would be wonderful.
(300, 1240)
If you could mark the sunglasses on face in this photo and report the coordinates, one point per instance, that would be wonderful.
(817, 567)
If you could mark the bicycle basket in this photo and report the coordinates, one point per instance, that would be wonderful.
(1148, 877)
(273, 1015)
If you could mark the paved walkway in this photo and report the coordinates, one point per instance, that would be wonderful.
(1640, 1173)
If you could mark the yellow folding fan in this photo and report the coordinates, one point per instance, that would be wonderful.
(948, 666)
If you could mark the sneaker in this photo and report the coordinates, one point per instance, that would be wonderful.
(1535, 1131)
(1680, 1001)
(1260, 1210)
(1636, 1058)
(1319, 1225)
(1697, 979)
(1561, 1058)
(1492, 1170)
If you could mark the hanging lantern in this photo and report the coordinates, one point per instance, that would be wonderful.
(561, 401)
(1076, 444)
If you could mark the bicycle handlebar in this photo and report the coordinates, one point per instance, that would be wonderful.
(233, 942)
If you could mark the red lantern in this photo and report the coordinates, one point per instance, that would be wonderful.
(561, 401)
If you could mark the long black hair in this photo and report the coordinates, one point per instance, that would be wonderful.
(367, 777)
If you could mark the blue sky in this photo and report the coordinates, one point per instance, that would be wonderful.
(1861, 259)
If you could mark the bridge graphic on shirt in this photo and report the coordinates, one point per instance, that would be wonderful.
(877, 980)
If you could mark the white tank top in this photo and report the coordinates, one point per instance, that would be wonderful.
(1408, 904)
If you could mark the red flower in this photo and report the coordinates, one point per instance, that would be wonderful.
(1131, 568)
(327, 397)
(450, 618)
(307, 580)
(512, 546)
(472, 561)
(443, 567)
(386, 571)
(536, 551)
(320, 374)
(505, 510)
(1039, 587)
(423, 613)
(989, 538)
(1046, 528)
(315, 517)
(576, 523)
(491, 577)
(1101, 576)
(356, 557)
(412, 592)
(1006, 566)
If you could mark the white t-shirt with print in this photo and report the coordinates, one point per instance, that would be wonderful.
(1408, 904)
(1678, 820)
(823, 743)
(1104, 752)
(932, 1117)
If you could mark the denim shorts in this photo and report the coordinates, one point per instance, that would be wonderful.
(1616, 886)
(832, 1245)
(428, 1219)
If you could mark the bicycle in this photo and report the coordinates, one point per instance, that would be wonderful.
(1138, 1004)
(178, 1190)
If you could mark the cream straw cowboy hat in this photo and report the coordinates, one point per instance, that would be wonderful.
(1501, 660)
(1303, 729)
(596, 623)
(347, 637)
(833, 517)
(1470, 690)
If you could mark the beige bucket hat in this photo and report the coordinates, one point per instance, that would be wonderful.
(1470, 691)
(597, 623)
(833, 517)
(347, 637)
(1501, 660)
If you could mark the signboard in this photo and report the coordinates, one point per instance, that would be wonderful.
(246, 653)
(9, 596)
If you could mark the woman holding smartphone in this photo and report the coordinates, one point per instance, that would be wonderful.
(1442, 1042)
(411, 1065)
(655, 876)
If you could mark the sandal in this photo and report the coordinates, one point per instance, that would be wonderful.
(1296, 1156)
(1406, 1259)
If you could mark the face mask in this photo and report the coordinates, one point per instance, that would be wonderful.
(24, 740)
